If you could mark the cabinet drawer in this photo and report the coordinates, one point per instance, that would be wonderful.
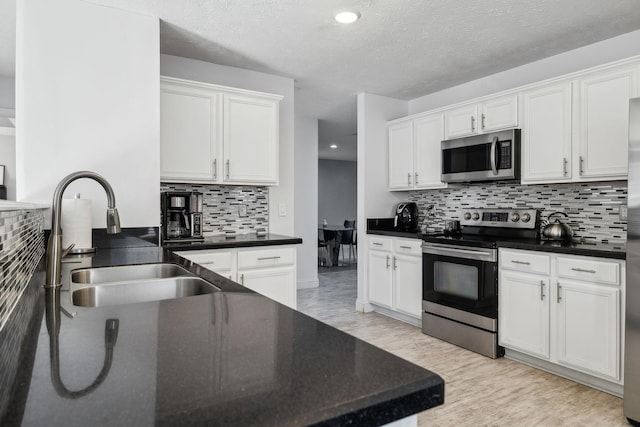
(255, 258)
(380, 243)
(589, 270)
(524, 261)
(408, 247)
(213, 260)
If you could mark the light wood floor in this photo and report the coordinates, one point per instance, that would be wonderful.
(479, 391)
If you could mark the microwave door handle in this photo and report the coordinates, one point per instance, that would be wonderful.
(494, 145)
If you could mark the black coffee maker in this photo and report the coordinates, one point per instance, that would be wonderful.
(181, 216)
(406, 218)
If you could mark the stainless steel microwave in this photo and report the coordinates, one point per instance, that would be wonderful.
(487, 157)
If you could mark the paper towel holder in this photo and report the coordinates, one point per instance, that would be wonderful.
(75, 250)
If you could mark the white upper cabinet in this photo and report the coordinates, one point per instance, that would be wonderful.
(216, 134)
(401, 156)
(250, 139)
(190, 132)
(414, 153)
(546, 135)
(603, 133)
(488, 116)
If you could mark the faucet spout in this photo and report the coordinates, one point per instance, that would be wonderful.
(55, 251)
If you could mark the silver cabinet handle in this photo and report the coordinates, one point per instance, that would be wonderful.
(542, 295)
(377, 244)
(395, 265)
(559, 297)
(268, 257)
(415, 180)
(482, 122)
(581, 165)
(387, 262)
(564, 166)
(409, 178)
(473, 124)
(215, 168)
(405, 247)
(584, 270)
(242, 279)
(227, 169)
(515, 261)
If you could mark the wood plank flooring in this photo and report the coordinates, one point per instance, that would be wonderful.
(479, 391)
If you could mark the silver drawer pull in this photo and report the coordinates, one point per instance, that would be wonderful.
(377, 244)
(405, 247)
(268, 257)
(584, 270)
(520, 262)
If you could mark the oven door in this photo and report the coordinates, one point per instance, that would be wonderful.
(462, 278)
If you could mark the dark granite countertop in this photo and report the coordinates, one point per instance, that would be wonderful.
(227, 358)
(237, 241)
(594, 249)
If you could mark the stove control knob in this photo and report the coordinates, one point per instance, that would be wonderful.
(476, 216)
(467, 216)
(515, 217)
(526, 217)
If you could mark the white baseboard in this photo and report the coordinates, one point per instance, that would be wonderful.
(308, 284)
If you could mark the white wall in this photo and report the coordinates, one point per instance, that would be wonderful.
(337, 191)
(8, 159)
(374, 200)
(190, 69)
(306, 200)
(87, 98)
(610, 50)
(7, 92)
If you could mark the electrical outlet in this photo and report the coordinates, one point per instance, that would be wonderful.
(282, 209)
(242, 211)
(623, 212)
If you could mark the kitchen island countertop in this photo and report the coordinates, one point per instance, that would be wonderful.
(227, 358)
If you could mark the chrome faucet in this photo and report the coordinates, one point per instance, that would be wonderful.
(55, 253)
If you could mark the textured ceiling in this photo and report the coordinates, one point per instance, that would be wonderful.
(400, 48)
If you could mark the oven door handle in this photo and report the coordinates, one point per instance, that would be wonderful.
(494, 165)
(461, 253)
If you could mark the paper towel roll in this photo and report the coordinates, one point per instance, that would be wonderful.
(76, 224)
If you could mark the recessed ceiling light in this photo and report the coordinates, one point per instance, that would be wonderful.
(347, 16)
(333, 146)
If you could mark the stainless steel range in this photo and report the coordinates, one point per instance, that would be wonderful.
(460, 277)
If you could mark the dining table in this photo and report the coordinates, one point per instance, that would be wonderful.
(332, 236)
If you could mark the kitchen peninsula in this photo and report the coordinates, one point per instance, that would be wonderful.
(231, 357)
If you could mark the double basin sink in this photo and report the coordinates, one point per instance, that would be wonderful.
(104, 286)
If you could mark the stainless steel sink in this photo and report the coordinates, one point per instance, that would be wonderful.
(141, 291)
(103, 286)
(127, 273)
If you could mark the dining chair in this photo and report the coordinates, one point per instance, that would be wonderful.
(347, 238)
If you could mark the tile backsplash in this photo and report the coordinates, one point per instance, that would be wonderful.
(22, 247)
(593, 208)
(222, 206)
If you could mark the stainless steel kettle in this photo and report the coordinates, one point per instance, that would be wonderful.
(557, 230)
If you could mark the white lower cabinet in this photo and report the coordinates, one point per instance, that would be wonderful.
(270, 271)
(395, 274)
(570, 315)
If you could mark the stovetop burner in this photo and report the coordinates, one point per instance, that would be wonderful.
(484, 227)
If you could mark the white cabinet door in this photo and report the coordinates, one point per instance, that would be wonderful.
(588, 324)
(604, 122)
(461, 121)
(401, 156)
(407, 280)
(546, 134)
(524, 313)
(279, 283)
(250, 139)
(499, 113)
(380, 278)
(427, 134)
(189, 133)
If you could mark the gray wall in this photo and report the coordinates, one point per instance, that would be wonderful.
(337, 191)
